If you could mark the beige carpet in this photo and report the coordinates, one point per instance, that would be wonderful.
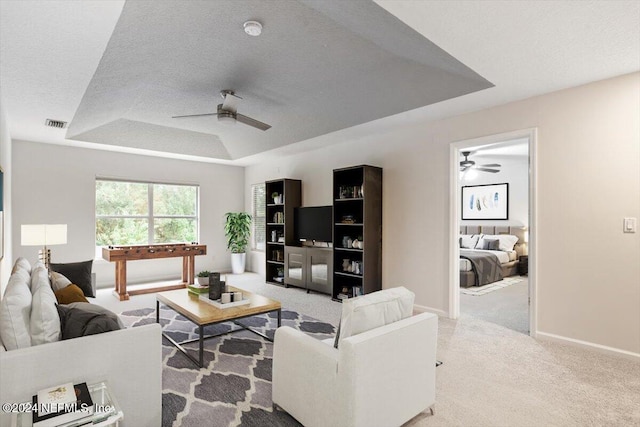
(492, 375)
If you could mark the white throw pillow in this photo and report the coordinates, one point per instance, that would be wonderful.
(507, 241)
(374, 310)
(58, 281)
(21, 264)
(15, 313)
(44, 322)
(469, 241)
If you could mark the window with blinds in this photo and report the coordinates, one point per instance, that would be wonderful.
(258, 204)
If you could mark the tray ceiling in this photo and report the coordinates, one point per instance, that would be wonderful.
(318, 67)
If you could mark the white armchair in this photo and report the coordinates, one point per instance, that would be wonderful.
(381, 377)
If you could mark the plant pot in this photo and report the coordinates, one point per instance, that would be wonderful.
(203, 281)
(238, 263)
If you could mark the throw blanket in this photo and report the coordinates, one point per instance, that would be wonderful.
(486, 266)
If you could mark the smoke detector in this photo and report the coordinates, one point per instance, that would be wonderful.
(253, 28)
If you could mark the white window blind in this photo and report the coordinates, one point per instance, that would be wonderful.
(259, 216)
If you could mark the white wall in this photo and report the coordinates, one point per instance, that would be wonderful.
(588, 180)
(515, 172)
(55, 184)
(5, 163)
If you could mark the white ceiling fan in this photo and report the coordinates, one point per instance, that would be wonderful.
(228, 112)
(467, 164)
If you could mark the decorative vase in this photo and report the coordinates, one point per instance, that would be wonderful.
(356, 244)
(203, 281)
(275, 200)
(345, 264)
(345, 241)
(349, 243)
(238, 263)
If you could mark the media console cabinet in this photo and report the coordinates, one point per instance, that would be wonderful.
(309, 267)
(121, 254)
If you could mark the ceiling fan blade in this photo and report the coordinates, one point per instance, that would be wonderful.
(492, 165)
(488, 170)
(252, 122)
(230, 102)
(195, 115)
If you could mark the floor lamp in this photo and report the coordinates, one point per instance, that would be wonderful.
(44, 235)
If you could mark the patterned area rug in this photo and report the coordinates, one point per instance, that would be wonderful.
(483, 290)
(234, 388)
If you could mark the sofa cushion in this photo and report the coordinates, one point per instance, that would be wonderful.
(69, 294)
(21, 264)
(82, 318)
(44, 322)
(79, 273)
(374, 310)
(15, 313)
(59, 281)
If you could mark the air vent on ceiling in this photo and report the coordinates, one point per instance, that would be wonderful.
(55, 123)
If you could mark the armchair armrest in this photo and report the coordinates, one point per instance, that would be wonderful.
(304, 374)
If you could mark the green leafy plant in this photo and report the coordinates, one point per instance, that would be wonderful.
(204, 273)
(237, 228)
(274, 194)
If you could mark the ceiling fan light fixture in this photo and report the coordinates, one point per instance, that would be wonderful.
(253, 28)
(226, 120)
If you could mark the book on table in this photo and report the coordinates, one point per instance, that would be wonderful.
(198, 289)
(54, 406)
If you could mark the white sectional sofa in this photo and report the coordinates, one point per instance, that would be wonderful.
(130, 360)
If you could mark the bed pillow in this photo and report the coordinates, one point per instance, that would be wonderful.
(507, 241)
(78, 273)
(491, 244)
(469, 241)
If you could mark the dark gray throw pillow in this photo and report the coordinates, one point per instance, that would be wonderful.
(79, 319)
(78, 273)
(491, 244)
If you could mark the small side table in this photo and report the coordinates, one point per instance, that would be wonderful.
(523, 265)
(102, 398)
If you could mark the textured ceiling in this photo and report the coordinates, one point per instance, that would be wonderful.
(318, 67)
(51, 49)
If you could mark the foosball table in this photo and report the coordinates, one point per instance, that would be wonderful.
(121, 254)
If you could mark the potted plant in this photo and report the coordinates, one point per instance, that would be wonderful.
(237, 229)
(275, 196)
(203, 278)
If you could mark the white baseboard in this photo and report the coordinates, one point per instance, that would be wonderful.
(423, 308)
(589, 345)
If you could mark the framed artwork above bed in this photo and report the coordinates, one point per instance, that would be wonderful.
(486, 202)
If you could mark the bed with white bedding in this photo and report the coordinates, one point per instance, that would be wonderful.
(506, 245)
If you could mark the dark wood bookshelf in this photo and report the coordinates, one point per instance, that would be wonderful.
(357, 194)
(280, 221)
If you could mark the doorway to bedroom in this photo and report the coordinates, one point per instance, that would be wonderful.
(491, 227)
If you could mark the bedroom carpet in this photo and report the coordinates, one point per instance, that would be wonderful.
(483, 290)
(234, 389)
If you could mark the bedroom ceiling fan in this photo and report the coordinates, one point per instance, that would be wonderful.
(228, 112)
(467, 164)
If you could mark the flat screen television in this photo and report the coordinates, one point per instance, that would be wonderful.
(313, 223)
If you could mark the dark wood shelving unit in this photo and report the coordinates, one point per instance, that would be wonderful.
(280, 221)
(357, 194)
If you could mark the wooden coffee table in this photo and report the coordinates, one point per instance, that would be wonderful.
(204, 314)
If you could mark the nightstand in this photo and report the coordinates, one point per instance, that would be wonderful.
(523, 265)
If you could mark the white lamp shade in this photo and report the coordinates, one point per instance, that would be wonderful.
(43, 234)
